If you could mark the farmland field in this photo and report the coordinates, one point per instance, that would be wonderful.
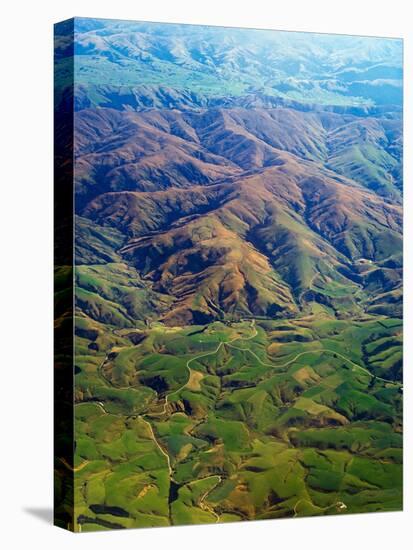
(252, 419)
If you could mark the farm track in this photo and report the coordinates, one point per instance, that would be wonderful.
(202, 504)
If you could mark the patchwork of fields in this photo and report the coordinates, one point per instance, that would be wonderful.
(246, 420)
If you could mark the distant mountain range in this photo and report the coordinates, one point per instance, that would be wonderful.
(202, 63)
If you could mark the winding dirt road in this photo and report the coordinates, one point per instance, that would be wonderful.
(202, 504)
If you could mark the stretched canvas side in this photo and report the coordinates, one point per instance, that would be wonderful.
(64, 437)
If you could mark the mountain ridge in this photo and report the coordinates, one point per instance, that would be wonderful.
(302, 220)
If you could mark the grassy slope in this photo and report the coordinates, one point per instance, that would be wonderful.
(276, 420)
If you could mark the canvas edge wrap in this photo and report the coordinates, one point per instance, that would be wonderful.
(63, 282)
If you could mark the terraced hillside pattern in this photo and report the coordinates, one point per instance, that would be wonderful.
(237, 273)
